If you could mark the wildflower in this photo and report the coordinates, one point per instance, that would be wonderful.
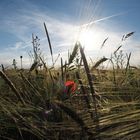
(70, 87)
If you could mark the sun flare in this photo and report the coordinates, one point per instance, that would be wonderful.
(88, 39)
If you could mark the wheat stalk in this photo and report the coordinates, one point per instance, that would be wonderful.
(83, 90)
(98, 63)
(74, 52)
(50, 46)
(12, 86)
(90, 81)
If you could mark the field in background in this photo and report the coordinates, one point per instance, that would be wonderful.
(34, 103)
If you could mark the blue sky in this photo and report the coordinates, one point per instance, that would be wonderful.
(20, 18)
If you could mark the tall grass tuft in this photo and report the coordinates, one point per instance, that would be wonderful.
(99, 62)
(3, 69)
(74, 53)
(50, 46)
(128, 62)
(85, 94)
(117, 49)
(90, 82)
(62, 71)
(12, 86)
(104, 42)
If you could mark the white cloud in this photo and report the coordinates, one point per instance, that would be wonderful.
(63, 36)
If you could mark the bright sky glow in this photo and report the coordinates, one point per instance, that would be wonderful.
(86, 39)
(88, 21)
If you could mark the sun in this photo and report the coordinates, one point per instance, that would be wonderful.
(88, 39)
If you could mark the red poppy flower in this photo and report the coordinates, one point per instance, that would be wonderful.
(70, 86)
